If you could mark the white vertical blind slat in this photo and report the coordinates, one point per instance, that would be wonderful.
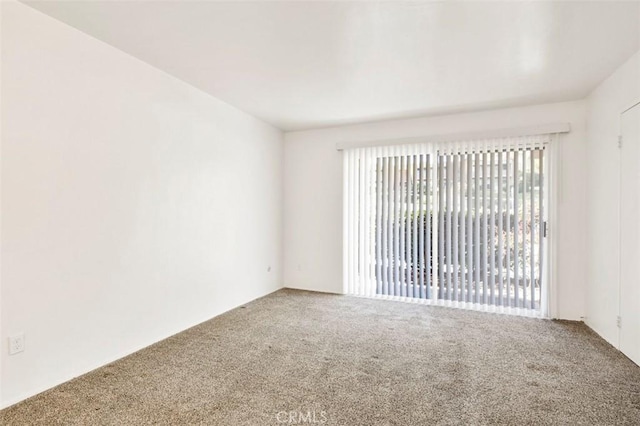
(463, 229)
(508, 227)
(362, 218)
(352, 236)
(401, 225)
(485, 223)
(392, 217)
(492, 225)
(477, 242)
(525, 207)
(349, 263)
(385, 225)
(396, 233)
(469, 228)
(441, 234)
(414, 229)
(409, 248)
(500, 231)
(542, 223)
(378, 232)
(346, 183)
(407, 220)
(516, 232)
(370, 223)
(532, 233)
(387, 221)
(448, 223)
(422, 233)
(426, 225)
(454, 225)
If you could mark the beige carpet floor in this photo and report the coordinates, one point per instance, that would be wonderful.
(297, 357)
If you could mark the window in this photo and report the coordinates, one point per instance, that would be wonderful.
(457, 224)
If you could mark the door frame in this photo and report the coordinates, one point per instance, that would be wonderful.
(619, 206)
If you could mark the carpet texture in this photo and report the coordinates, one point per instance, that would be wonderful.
(297, 357)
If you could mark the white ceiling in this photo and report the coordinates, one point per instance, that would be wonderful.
(302, 65)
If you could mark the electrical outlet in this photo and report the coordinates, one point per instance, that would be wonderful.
(16, 343)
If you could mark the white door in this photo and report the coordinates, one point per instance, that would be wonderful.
(630, 235)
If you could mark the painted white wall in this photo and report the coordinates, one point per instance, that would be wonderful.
(604, 105)
(133, 205)
(313, 193)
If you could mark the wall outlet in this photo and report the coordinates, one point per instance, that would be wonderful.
(16, 343)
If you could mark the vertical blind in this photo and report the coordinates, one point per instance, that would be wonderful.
(457, 223)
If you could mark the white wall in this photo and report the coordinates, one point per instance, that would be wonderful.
(313, 194)
(133, 205)
(606, 102)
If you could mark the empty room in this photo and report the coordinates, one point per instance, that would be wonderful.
(319, 212)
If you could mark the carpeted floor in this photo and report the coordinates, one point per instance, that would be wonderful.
(297, 357)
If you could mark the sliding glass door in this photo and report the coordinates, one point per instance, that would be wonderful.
(456, 224)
